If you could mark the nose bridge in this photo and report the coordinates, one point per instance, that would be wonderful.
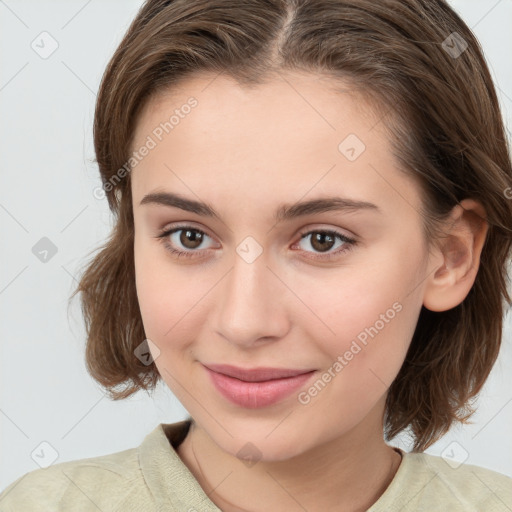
(250, 307)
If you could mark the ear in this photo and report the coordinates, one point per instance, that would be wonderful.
(454, 265)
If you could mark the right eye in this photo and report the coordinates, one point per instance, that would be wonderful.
(183, 236)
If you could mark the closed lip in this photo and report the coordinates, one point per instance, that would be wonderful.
(259, 374)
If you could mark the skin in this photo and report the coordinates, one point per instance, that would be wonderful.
(246, 151)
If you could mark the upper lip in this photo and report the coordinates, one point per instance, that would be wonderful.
(255, 374)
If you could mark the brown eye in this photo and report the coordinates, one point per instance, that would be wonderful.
(191, 238)
(322, 241)
(184, 241)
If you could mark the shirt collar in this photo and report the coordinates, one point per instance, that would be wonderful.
(174, 487)
(169, 480)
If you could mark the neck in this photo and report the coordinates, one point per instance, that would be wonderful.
(349, 473)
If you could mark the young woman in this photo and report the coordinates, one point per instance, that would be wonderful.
(313, 223)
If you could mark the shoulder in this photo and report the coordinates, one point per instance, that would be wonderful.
(464, 486)
(101, 482)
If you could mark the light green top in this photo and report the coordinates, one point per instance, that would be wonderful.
(152, 477)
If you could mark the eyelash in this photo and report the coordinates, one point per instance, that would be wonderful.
(349, 242)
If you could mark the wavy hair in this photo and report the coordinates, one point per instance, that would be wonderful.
(438, 104)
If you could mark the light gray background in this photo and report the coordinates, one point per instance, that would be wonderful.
(46, 108)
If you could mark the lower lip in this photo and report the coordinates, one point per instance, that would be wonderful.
(253, 395)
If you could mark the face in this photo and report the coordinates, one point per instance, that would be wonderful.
(332, 291)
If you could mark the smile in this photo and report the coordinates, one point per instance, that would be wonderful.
(256, 388)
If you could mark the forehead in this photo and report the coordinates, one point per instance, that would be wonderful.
(290, 133)
(322, 105)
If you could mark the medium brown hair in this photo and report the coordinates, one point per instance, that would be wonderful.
(444, 122)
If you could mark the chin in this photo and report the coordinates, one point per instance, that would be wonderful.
(261, 447)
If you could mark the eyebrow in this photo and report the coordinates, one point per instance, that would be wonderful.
(284, 212)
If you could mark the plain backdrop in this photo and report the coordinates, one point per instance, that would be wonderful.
(47, 179)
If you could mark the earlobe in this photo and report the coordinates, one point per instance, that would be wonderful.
(457, 260)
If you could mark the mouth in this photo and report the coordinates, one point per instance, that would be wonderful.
(256, 387)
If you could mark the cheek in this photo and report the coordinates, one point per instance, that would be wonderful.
(170, 299)
(167, 324)
(368, 319)
(164, 311)
(159, 295)
(373, 325)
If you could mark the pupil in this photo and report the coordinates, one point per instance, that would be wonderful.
(191, 237)
(319, 239)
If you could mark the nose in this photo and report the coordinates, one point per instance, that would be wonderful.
(252, 304)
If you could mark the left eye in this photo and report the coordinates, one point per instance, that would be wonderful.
(323, 241)
(191, 238)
